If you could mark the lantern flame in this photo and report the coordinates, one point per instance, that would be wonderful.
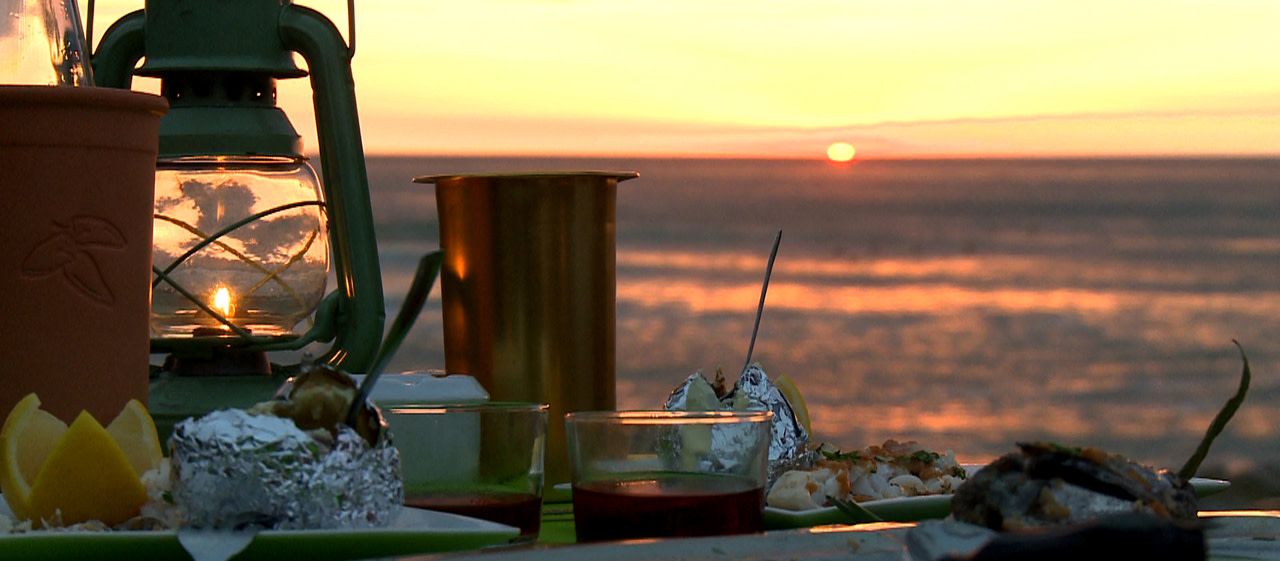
(222, 301)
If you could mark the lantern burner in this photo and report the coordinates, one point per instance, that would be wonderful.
(221, 361)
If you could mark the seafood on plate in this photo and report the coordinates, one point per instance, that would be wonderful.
(802, 477)
(887, 471)
(1046, 484)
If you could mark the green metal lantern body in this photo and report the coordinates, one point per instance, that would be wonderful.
(226, 148)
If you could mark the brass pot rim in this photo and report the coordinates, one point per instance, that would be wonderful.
(618, 175)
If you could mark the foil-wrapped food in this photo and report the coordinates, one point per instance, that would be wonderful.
(1045, 484)
(789, 445)
(289, 463)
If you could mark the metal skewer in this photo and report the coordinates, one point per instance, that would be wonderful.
(764, 289)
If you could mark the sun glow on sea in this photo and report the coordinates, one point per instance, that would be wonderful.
(840, 152)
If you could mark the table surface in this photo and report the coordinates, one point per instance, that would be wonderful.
(1252, 534)
(1229, 535)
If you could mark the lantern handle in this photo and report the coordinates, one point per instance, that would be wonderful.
(90, 8)
(345, 181)
(351, 29)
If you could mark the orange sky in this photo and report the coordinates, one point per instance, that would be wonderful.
(907, 78)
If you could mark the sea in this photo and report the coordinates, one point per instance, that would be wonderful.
(964, 304)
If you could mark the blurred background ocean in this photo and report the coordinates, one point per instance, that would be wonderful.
(965, 304)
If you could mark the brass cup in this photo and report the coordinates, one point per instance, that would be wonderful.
(529, 290)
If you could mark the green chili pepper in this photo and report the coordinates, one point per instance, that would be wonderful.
(1220, 422)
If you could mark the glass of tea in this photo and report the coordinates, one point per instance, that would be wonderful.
(483, 460)
(658, 474)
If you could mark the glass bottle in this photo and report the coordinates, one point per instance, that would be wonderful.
(42, 43)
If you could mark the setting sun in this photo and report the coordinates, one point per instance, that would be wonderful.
(840, 152)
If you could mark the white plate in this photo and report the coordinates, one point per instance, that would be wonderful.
(415, 531)
(912, 509)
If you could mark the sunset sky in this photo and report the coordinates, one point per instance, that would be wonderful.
(907, 78)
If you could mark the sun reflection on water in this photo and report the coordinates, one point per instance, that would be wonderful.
(943, 351)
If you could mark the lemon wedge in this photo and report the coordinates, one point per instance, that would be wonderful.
(51, 472)
(29, 435)
(792, 393)
(135, 432)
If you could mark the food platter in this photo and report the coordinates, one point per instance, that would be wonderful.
(905, 509)
(913, 509)
(415, 531)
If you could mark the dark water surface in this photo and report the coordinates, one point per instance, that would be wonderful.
(963, 304)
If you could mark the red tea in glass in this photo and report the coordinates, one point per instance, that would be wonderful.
(664, 505)
(483, 460)
(659, 474)
(521, 510)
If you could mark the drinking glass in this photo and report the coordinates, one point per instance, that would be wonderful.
(483, 460)
(654, 474)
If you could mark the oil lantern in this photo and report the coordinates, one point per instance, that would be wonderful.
(246, 234)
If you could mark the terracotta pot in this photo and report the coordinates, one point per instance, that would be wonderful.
(77, 170)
